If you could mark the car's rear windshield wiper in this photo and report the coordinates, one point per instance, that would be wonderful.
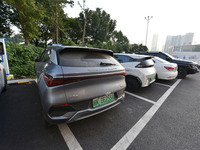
(106, 64)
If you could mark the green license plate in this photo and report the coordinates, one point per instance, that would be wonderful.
(103, 100)
(152, 79)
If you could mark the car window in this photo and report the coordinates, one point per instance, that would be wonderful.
(125, 59)
(160, 60)
(162, 56)
(85, 59)
(170, 56)
(1, 48)
(45, 57)
(147, 62)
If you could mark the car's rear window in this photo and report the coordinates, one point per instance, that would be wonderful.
(85, 59)
(147, 62)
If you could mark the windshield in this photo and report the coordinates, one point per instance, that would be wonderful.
(160, 60)
(170, 56)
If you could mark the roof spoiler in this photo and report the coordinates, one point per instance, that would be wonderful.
(109, 52)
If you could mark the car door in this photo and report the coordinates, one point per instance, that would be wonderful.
(40, 64)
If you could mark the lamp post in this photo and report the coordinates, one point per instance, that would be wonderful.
(148, 18)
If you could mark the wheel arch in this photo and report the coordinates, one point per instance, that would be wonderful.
(138, 79)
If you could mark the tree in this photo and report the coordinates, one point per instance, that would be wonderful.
(138, 48)
(73, 29)
(53, 21)
(84, 12)
(99, 25)
(121, 41)
(28, 18)
(6, 17)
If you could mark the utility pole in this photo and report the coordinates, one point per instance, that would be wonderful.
(83, 8)
(148, 18)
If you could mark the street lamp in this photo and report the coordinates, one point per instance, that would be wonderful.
(147, 18)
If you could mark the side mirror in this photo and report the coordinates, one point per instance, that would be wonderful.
(168, 58)
(0, 59)
(36, 59)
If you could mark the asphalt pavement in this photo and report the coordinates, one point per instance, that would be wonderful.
(164, 116)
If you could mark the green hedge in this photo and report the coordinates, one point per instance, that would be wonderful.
(21, 59)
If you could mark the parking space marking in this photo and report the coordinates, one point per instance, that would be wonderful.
(69, 137)
(142, 98)
(162, 84)
(129, 137)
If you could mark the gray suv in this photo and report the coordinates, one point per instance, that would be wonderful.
(78, 82)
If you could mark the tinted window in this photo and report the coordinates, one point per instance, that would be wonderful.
(162, 56)
(160, 60)
(125, 59)
(45, 56)
(147, 62)
(1, 48)
(85, 59)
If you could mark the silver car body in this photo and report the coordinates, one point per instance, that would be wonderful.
(68, 77)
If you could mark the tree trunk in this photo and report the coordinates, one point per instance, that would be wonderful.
(56, 26)
(26, 40)
(26, 37)
(84, 28)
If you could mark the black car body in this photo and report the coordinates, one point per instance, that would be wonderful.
(185, 67)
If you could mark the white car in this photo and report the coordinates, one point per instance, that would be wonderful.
(3, 80)
(165, 70)
(140, 71)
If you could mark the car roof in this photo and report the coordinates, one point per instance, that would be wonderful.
(61, 48)
(151, 52)
(132, 55)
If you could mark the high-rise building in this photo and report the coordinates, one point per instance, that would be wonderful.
(178, 41)
(154, 42)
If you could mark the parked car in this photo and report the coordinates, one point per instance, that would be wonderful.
(165, 70)
(140, 71)
(185, 67)
(3, 79)
(78, 82)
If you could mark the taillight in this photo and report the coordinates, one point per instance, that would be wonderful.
(169, 68)
(62, 105)
(50, 81)
(143, 66)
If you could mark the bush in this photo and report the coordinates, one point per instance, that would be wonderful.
(21, 59)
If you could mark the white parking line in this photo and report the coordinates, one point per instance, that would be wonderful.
(162, 84)
(142, 98)
(69, 137)
(129, 137)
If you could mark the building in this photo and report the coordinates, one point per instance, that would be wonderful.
(178, 41)
(186, 48)
(154, 42)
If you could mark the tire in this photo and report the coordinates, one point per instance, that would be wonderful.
(181, 73)
(5, 82)
(132, 84)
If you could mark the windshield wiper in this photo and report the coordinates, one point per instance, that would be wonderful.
(106, 64)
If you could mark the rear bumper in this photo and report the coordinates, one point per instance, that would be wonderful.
(167, 75)
(147, 80)
(78, 115)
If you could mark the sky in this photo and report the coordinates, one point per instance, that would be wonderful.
(170, 17)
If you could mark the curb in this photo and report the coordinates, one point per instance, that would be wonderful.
(21, 81)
